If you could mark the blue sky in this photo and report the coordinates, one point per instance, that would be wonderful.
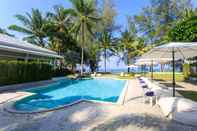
(8, 8)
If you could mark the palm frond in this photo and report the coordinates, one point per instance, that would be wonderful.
(20, 29)
(23, 19)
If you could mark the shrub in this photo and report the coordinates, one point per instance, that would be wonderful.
(58, 72)
(186, 71)
(12, 72)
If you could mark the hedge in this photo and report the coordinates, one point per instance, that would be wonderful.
(12, 72)
(61, 72)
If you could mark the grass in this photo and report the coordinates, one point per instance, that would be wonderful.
(166, 76)
(189, 94)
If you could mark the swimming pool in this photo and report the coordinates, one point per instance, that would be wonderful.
(65, 92)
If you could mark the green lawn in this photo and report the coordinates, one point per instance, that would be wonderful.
(189, 94)
(166, 76)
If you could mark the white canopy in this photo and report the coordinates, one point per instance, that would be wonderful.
(10, 45)
(132, 66)
(146, 61)
(173, 51)
(182, 50)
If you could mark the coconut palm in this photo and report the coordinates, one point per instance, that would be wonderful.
(32, 26)
(57, 27)
(107, 45)
(132, 46)
(83, 13)
(60, 17)
(3, 31)
(127, 41)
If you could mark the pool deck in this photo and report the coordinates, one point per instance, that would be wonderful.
(134, 115)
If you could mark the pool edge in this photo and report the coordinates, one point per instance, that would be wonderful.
(9, 107)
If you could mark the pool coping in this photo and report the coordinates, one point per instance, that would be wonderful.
(9, 106)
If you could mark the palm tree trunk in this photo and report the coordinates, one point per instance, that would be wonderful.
(105, 55)
(82, 46)
(82, 59)
(128, 69)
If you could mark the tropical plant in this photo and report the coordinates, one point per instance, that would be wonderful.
(156, 20)
(93, 56)
(57, 28)
(32, 26)
(185, 31)
(107, 46)
(84, 19)
(3, 31)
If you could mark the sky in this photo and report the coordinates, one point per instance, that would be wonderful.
(8, 8)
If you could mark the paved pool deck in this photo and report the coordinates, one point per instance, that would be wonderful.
(134, 115)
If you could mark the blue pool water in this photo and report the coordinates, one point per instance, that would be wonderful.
(68, 91)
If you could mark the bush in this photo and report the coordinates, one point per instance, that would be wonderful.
(186, 71)
(61, 72)
(12, 72)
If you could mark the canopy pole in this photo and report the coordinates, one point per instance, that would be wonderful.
(173, 67)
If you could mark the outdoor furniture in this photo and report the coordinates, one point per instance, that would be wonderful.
(126, 75)
(99, 75)
(93, 75)
(172, 51)
(179, 109)
(122, 74)
(150, 95)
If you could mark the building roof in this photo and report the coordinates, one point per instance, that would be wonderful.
(13, 45)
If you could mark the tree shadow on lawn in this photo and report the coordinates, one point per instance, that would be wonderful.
(191, 82)
(189, 94)
(169, 84)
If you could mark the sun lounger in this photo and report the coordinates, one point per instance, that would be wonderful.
(179, 109)
(99, 75)
(93, 75)
(150, 95)
(122, 74)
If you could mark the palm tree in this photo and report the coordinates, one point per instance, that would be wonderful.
(107, 45)
(60, 18)
(127, 41)
(132, 46)
(3, 31)
(32, 26)
(83, 13)
(57, 27)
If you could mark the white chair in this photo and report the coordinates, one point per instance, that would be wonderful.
(179, 109)
(122, 74)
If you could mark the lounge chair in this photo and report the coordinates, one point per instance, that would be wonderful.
(93, 75)
(99, 75)
(148, 94)
(122, 74)
(179, 109)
